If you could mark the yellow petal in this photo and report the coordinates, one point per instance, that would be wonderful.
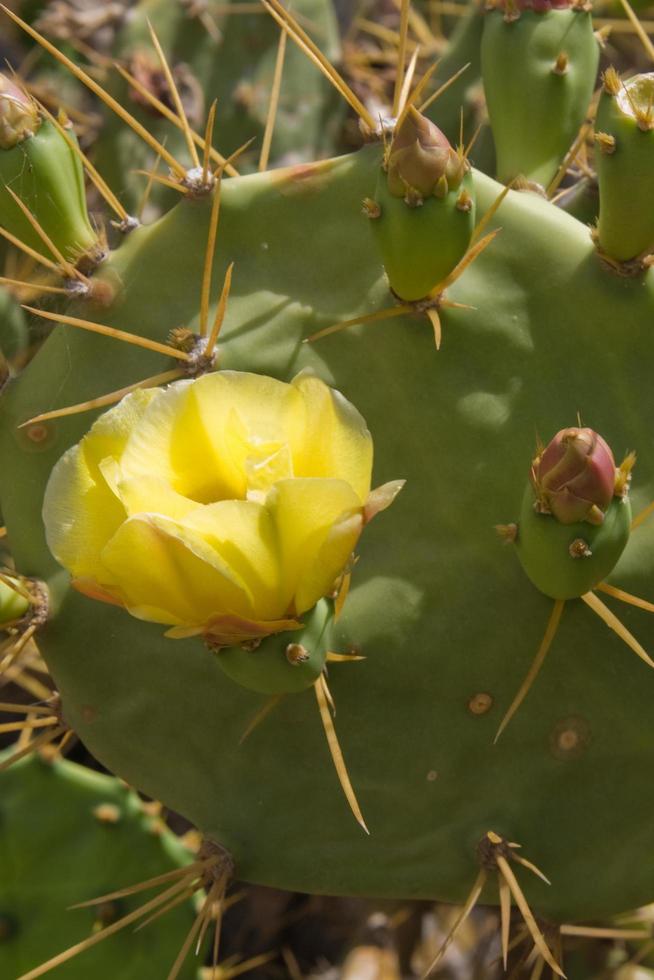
(151, 494)
(168, 574)
(242, 533)
(229, 631)
(336, 441)
(80, 515)
(322, 571)
(172, 444)
(80, 511)
(252, 420)
(199, 437)
(318, 523)
(109, 434)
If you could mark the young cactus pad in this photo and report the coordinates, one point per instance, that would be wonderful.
(46, 175)
(625, 140)
(539, 69)
(444, 615)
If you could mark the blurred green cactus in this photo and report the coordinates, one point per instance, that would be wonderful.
(93, 835)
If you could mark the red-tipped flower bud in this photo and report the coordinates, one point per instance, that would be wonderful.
(19, 117)
(574, 477)
(421, 160)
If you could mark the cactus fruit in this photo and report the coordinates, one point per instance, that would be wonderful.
(624, 134)
(539, 328)
(423, 213)
(283, 668)
(539, 65)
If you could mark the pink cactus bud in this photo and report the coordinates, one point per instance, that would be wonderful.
(421, 157)
(19, 117)
(574, 477)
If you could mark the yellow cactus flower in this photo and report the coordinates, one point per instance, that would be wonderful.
(226, 506)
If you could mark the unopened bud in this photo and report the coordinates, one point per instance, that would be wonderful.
(421, 159)
(19, 117)
(574, 477)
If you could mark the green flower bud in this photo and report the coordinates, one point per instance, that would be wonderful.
(539, 68)
(423, 210)
(421, 161)
(625, 168)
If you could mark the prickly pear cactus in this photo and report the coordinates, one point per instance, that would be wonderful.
(541, 338)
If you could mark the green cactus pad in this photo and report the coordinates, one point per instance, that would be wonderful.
(544, 548)
(535, 107)
(70, 835)
(441, 612)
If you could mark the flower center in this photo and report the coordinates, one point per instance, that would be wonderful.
(247, 475)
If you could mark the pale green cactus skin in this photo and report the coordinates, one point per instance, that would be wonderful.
(440, 608)
(67, 226)
(625, 227)
(535, 108)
